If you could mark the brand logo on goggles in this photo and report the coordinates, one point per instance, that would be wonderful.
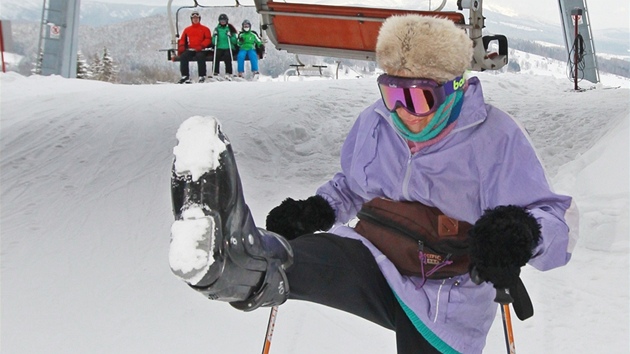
(457, 84)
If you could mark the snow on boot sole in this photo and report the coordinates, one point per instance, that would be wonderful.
(194, 244)
(196, 233)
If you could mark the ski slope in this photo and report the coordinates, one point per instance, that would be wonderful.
(85, 212)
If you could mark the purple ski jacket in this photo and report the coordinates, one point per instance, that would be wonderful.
(486, 160)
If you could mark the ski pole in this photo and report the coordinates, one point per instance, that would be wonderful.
(504, 299)
(507, 329)
(270, 326)
(214, 57)
(231, 54)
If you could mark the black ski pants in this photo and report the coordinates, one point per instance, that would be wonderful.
(187, 56)
(223, 55)
(342, 273)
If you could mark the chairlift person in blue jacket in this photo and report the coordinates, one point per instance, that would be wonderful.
(248, 41)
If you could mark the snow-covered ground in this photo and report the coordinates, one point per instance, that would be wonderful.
(86, 214)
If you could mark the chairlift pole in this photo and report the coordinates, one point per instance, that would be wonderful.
(4, 69)
(174, 33)
(577, 13)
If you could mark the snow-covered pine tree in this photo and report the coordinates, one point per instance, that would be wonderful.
(83, 68)
(97, 67)
(37, 65)
(108, 68)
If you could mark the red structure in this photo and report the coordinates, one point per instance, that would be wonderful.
(4, 69)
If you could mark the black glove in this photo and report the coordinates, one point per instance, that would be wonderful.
(502, 241)
(293, 218)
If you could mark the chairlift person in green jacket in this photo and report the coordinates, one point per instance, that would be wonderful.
(248, 41)
(224, 38)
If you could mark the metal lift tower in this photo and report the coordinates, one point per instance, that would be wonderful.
(59, 37)
(569, 9)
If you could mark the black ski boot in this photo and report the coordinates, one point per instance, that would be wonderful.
(215, 246)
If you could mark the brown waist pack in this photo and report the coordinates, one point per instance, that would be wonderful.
(419, 240)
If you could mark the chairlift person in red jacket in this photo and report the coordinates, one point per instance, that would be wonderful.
(194, 39)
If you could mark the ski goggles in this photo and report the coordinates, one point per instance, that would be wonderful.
(419, 97)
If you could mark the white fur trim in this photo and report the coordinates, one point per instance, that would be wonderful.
(423, 47)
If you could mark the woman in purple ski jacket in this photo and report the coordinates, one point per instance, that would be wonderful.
(430, 142)
(486, 160)
(475, 159)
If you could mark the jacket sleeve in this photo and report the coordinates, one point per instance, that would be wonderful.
(232, 34)
(256, 39)
(182, 44)
(207, 38)
(514, 175)
(344, 194)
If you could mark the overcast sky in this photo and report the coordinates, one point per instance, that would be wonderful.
(602, 13)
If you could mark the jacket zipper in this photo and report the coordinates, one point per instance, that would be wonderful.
(405, 186)
(437, 303)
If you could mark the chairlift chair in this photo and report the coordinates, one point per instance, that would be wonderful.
(173, 21)
(350, 32)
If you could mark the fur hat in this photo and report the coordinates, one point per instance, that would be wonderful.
(423, 47)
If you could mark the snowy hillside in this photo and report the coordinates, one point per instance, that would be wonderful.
(85, 212)
(136, 34)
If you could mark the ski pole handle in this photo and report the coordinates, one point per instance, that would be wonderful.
(503, 296)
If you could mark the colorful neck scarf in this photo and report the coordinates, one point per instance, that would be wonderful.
(446, 114)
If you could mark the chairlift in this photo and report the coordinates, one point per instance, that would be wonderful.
(173, 21)
(350, 32)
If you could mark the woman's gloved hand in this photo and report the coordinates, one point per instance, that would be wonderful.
(502, 241)
(293, 218)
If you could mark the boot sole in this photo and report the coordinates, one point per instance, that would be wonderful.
(214, 243)
(196, 234)
(195, 240)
